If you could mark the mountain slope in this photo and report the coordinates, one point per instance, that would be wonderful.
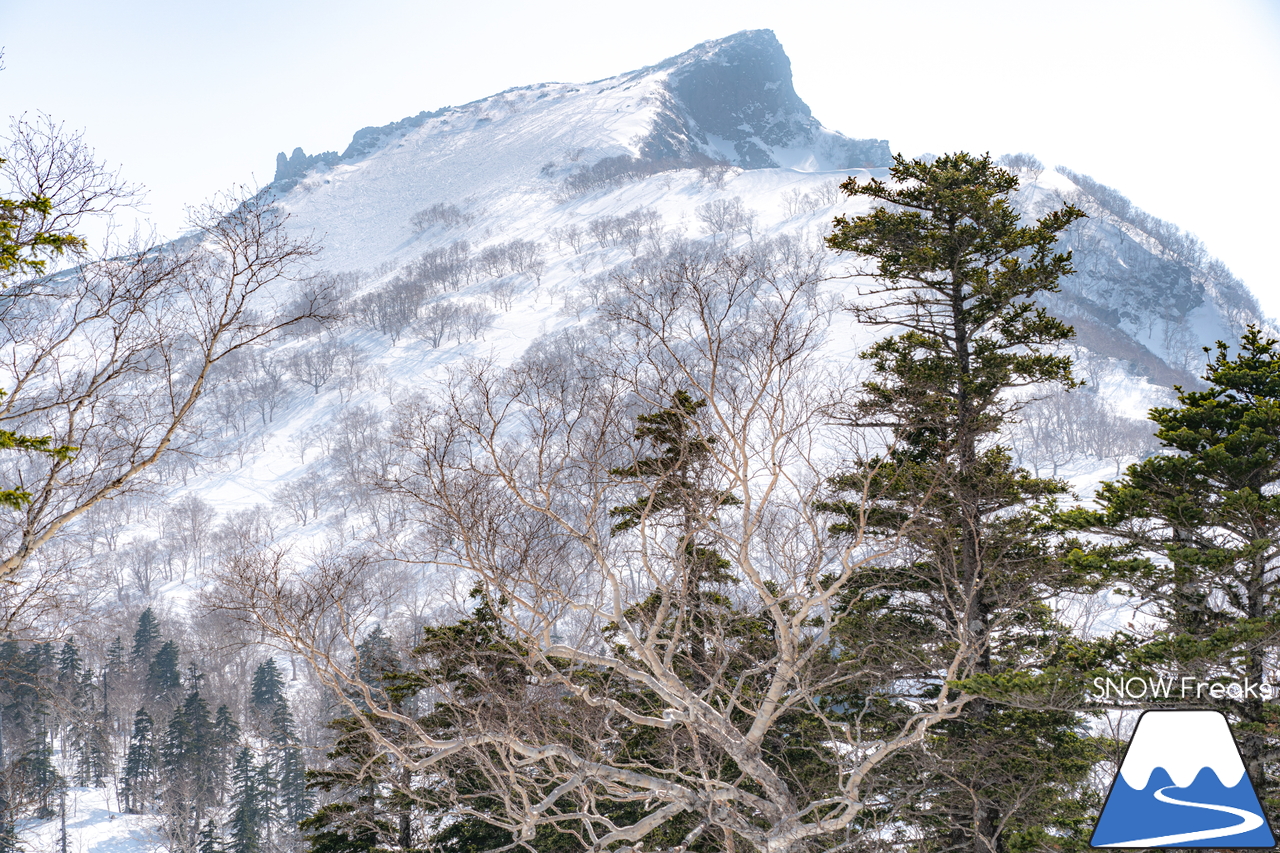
(536, 158)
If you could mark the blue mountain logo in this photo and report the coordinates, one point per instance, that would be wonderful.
(1182, 784)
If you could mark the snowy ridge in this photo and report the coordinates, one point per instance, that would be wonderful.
(729, 100)
(502, 164)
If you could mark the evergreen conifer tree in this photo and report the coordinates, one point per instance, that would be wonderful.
(69, 667)
(267, 687)
(376, 659)
(1196, 537)
(956, 273)
(364, 812)
(39, 778)
(163, 677)
(676, 493)
(289, 771)
(268, 811)
(200, 769)
(178, 790)
(226, 733)
(247, 823)
(145, 637)
(210, 839)
(139, 765)
(266, 691)
(115, 657)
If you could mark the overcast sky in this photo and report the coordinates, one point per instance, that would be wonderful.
(1173, 103)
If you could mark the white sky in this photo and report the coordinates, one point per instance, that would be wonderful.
(1176, 104)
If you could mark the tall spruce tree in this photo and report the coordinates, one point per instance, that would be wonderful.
(69, 668)
(1198, 536)
(249, 809)
(288, 769)
(38, 776)
(145, 637)
(222, 742)
(201, 770)
(267, 688)
(954, 273)
(675, 492)
(139, 765)
(163, 677)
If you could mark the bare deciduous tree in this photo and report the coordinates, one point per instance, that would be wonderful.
(115, 357)
(42, 159)
(315, 365)
(651, 677)
(1067, 427)
(726, 216)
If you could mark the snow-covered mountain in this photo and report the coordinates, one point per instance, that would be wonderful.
(729, 101)
(536, 158)
(513, 209)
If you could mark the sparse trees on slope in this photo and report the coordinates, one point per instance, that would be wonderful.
(956, 274)
(115, 357)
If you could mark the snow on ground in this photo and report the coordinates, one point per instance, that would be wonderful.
(94, 825)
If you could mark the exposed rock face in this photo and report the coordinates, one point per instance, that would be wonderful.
(734, 98)
(1146, 283)
(290, 169)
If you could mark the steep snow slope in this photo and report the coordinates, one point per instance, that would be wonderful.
(1145, 294)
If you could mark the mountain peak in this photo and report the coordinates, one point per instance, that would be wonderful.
(733, 98)
(747, 45)
(729, 99)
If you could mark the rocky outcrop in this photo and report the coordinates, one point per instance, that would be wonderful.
(733, 99)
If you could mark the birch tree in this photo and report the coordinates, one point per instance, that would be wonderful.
(113, 358)
(602, 703)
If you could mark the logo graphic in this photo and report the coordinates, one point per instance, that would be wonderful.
(1182, 784)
